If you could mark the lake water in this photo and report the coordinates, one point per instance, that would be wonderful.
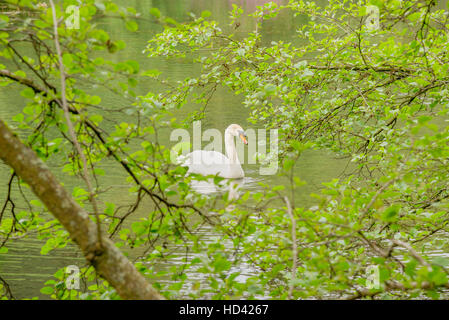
(24, 267)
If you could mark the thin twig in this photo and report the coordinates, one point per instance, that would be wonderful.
(65, 107)
(294, 247)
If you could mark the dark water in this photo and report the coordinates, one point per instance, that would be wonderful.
(23, 266)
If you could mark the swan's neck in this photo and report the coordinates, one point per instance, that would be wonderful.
(230, 148)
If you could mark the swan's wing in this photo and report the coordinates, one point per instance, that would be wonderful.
(207, 162)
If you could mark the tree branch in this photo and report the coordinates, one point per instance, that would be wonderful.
(111, 264)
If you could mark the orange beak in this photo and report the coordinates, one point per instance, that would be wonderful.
(244, 138)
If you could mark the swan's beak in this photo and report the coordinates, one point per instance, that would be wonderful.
(243, 137)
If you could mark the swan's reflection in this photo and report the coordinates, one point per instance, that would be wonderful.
(230, 186)
(234, 187)
(209, 187)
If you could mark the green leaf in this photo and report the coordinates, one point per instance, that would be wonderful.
(134, 65)
(18, 117)
(47, 290)
(110, 207)
(221, 264)
(391, 213)
(27, 93)
(131, 25)
(155, 12)
(111, 7)
(152, 73)
(414, 16)
(67, 59)
(278, 188)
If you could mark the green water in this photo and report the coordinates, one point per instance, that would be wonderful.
(23, 267)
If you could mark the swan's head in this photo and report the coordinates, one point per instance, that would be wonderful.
(236, 130)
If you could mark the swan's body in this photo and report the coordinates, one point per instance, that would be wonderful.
(215, 163)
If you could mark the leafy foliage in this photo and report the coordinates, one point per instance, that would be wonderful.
(376, 97)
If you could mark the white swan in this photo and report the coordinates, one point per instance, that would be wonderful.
(215, 163)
